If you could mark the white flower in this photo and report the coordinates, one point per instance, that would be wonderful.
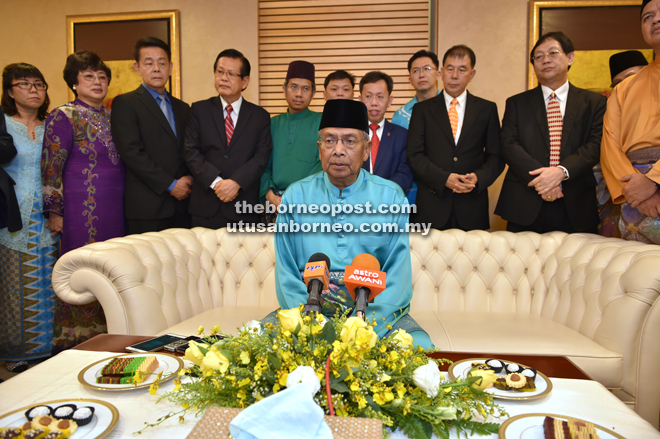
(306, 376)
(253, 327)
(428, 378)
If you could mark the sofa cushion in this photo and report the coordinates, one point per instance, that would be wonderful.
(527, 334)
(229, 319)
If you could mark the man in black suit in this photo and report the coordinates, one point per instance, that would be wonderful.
(228, 145)
(148, 128)
(551, 141)
(453, 149)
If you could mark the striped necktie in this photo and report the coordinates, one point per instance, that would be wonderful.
(229, 124)
(555, 125)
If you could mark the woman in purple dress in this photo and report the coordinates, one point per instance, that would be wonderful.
(83, 179)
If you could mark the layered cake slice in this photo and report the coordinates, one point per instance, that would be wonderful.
(122, 370)
(554, 428)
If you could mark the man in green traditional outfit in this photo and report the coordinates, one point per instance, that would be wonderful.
(295, 153)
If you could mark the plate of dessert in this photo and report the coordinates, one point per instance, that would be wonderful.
(65, 418)
(130, 371)
(507, 380)
(547, 426)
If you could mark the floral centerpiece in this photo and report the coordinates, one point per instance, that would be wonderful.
(356, 373)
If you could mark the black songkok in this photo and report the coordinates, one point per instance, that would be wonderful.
(301, 69)
(625, 60)
(345, 113)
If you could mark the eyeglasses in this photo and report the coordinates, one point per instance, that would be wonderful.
(24, 85)
(230, 75)
(426, 69)
(350, 142)
(379, 98)
(90, 77)
(295, 87)
(553, 54)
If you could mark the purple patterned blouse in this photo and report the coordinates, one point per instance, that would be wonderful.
(82, 174)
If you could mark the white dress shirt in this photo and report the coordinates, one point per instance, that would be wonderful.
(236, 106)
(460, 109)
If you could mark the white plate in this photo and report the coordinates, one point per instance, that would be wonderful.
(168, 364)
(543, 384)
(530, 426)
(104, 420)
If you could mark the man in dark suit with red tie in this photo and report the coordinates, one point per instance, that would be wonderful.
(453, 149)
(148, 128)
(551, 141)
(388, 141)
(228, 144)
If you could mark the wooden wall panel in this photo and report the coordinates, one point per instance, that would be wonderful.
(355, 35)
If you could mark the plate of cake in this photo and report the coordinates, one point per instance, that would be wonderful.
(130, 371)
(508, 380)
(547, 426)
(65, 418)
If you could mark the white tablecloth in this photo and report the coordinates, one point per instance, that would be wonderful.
(57, 379)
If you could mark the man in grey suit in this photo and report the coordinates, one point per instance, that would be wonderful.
(228, 145)
(148, 128)
(551, 141)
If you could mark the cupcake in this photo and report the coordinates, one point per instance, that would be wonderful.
(529, 373)
(83, 415)
(40, 410)
(64, 411)
(513, 368)
(495, 365)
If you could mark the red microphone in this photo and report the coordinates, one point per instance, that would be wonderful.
(316, 277)
(364, 281)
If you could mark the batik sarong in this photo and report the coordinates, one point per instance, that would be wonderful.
(633, 225)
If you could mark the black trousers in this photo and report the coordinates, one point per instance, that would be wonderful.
(178, 221)
(553, 217)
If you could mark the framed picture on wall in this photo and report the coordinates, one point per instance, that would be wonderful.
(598, 30)
(112, 36)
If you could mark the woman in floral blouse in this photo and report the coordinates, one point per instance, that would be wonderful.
(83, 177)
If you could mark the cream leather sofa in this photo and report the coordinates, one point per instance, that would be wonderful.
(590, 298)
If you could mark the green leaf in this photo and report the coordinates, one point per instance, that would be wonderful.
(340, 387)
(328, 332)
(227, 355)
(270, 377)
(297, 330)
(415, 428)
(343, 373)
(202, 349)
(275, 362)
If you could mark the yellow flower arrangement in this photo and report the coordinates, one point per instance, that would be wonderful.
(387, 379)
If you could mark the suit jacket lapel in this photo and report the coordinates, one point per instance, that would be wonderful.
(471, 112)
(154, 108)
(442, 117)
(178, 119)
(219, 119)
(538, 107)
(573, 103)
(243, 120)
(384, 146)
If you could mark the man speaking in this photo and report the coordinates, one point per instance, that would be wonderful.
(344, 192)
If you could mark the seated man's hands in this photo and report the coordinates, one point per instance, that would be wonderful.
(553, 194)
(55, 223)
(273, 199)
(650, 206)
(546, 180)
(226, 190)
(182, 188)
(638, 189)
(459, 184)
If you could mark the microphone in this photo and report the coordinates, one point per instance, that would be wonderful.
(364, 281)
(316, 277)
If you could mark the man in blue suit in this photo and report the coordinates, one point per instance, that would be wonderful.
(388, 141)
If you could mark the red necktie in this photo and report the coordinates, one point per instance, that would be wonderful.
(375, 143)
(555, 125)
(229, 124)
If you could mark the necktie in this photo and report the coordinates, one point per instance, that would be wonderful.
(453, 117)
(375, 143)
(555, 125)
(229, 124)
(166, 111)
